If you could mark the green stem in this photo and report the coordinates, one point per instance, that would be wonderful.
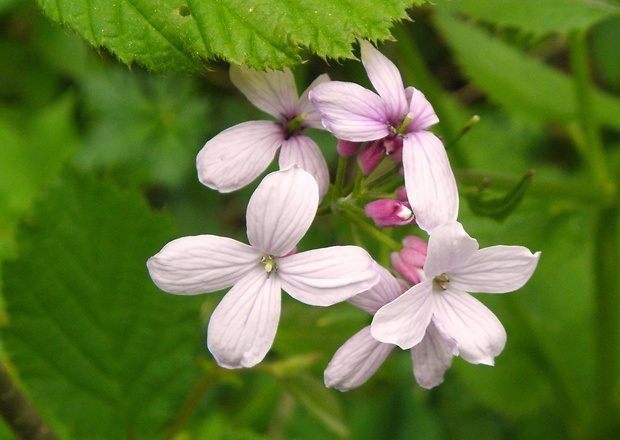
(353, 214)
(606, 318)
(553, 189)
(340, 175)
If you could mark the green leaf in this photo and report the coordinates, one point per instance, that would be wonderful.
(92, 338)
(535, 16)
(183, 34)
(500, 69)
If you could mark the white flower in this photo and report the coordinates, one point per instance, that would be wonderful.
(454, 266)
(237, 156)
(243, 326)
(361, 356)
(395, 121)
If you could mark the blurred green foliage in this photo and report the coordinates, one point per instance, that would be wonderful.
(91, 149)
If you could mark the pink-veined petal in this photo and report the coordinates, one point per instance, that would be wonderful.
(351, 112)
(201, 264)
(403, 321)
(304, 105)
(449, 249)
(281, 210)
(273, 91)
(358, 359)
(423, 114)
(323, 277)
(386, 290)
(386, 79)
(496, 269)
(431, 357)
(302, 151)
(429, 180)
(236, 156)
(478, 332)
(243, 325)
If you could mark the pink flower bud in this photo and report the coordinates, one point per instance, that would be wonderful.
(410, 260)
(388, 213)
(347, 148)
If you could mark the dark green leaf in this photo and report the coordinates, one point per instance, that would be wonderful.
(91, 336)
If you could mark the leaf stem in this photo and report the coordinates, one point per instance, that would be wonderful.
(354, 215)
(19, 413)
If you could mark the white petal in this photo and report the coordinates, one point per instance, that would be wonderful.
(496, 269)
(281, 210)
(423, 114)
(323, 277)
(351, 112)
(386, 79)
(302, 151)
(477, 330)
(273, 91)
(386, 290)
(236, 156)
(304, 105)
(200, 264)
(449, 248)
(243, 326)
(431, 358)
(429, 180)
(358, 359)
(403, 321)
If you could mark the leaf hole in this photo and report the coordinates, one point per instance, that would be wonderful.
(184, 11)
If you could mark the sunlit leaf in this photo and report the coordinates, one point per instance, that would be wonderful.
(182, 35)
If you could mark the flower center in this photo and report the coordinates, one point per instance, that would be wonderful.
(294, 124)
(270, 264)
(440, 282)
(403, 125)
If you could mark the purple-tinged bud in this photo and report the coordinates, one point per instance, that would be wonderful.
(370, 156)
(388, 213)
(347, 148)
(401, 194)
(410, 260)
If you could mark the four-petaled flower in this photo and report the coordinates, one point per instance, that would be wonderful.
(395, 121)
(362, 355)
(243, 326)
(238, 155)
(454, 266)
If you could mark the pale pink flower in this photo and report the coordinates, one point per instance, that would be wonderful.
(239, 154)
(362, 355)
(243, 326)
(454, 266)
(394, 122)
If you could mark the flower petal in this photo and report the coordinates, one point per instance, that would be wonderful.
(236, 156)
(478, 332)
(386, 290)
(386, 79)
(404, 321)
(302, 151)
(351, 112)
(429, 180)
(423, 114)
(243, 326)
(323, 277)
(273, 91)
(496, 269)
(281, 210)
(304, 105)
(200, 264)
(449, 249)
(358, 359)
(431, 358)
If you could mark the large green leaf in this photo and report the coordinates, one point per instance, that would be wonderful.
(181, 35)
(520, 83)
(92, 338)
(535, 16)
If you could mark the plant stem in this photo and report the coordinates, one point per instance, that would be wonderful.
(19, 413)
(351, 213)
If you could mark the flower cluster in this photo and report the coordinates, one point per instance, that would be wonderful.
(426, 310)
